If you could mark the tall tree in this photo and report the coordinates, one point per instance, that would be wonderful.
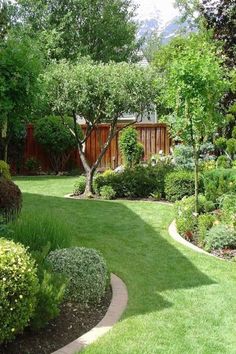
(193, 85)
(102, 29)
(4, 19)
(99, 93)
(20, 65)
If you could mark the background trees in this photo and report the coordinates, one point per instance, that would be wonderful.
(193, 84)
(104, 30)
(98, 94)
(20, 65)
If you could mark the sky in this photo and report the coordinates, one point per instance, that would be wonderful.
(151, 8)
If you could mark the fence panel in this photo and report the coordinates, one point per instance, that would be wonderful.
(154, 138)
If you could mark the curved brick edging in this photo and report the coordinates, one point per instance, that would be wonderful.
(118, 305)
(176, 236)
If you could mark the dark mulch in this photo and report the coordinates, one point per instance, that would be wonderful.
(225, 254)
(72, 322)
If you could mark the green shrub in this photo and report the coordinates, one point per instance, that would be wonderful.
(32, 165)
(228, 206)
(138, 182)
(220, 144)
(234, 133)
(219, 182)
(158, 173)
(37, 231)
(131, 150)
(223, 162)
(18, 289)
(86, 271)
(55, 136)
(49, 296)
(10, 200)
(107, 192)
(205, 222)
(108, 178)
(231, 147)
(80, 185)
(220, 237)
(180, 184)
(183, 157)
(186, 220)
(4, 170)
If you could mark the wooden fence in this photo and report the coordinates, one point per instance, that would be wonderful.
(154, 138)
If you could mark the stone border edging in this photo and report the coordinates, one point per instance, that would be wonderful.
(176, 236)
(118, 305)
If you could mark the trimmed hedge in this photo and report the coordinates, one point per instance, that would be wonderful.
(219, 182)
(18, 289)
(180, 184)
(86, 271)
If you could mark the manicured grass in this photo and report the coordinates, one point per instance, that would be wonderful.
(179, 301)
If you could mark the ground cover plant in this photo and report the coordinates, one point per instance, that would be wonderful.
(179, 280)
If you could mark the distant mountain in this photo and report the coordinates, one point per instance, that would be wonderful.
(171, 29)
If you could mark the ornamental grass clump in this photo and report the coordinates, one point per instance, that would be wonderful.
(10, 200)
(18, 289)
(86, 271)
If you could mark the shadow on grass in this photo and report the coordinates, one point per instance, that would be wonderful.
(134, 245)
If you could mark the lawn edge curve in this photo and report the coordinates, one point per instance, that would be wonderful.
(117, 306)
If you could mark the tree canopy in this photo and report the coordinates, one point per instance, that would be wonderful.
(99, 93)
(102, 29)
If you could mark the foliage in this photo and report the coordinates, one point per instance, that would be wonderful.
(228, 207)
(193, 84)
(54, 134)
(49, 297)
(231, 147)
(107, 192)
(38, 230)
(178, 185)
(205, 223)
(18, 288)
(223, 162)
(220, 237)
(80, 27)
(86, 271)
(108, 177)
(20, 66)
(99, 93)
(219, 182)
(186, 219)
(10, 199)
(80, 185)
(32, 165)
(131, 150)
(5, 170)
(220, 144)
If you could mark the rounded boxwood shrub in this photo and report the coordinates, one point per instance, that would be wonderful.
(220, 237)
(80, 185)
(107, 192)
(4, 170)
(10, 200)
(86, 271)
(18, 289)
(180, 184)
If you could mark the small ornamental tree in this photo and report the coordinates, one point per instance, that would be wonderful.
(194, 83)
(131, 149)
(52, 133)
(99, 93)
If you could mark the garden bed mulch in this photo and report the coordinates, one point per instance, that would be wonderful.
(72, 322)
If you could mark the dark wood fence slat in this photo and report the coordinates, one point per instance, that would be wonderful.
(154, 138)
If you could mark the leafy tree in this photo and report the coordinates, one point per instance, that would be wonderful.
(99, 93)
(4, 19)
(20, 65)
(52, 133)
(102, 29)
(193, 86)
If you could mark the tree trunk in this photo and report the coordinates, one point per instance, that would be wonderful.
(88, 193)
(5, 157)
(196, 162)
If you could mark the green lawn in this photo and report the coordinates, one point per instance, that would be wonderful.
(179, 301)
